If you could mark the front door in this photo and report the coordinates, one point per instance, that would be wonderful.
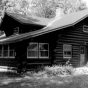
(82, 55)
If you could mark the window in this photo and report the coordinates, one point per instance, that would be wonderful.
(6, 51)
(85, 28)
(43, 50)
(67, 51)
(38, 50)
(82, 50)
(16, 30)
(32, 50)
(11, 52)
(1, 52)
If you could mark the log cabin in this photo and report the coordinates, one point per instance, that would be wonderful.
(48, 46)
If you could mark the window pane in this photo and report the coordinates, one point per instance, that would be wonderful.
(11, 54)
(0, 50)
(43, 46)
(11, 47)
(32, 50)
(16, 30)
(85, 28)
(33, 46)
(43, 50)
(43, 54)
(67, 51)
(0, 53)
(32, 53)
(82, 50)
(0, 47)
(67, 47)
(5, 53)
(5, 47)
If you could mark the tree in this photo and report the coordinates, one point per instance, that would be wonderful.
(42, 8)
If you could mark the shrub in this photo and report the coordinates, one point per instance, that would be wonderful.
(50, 71)
(59, 70)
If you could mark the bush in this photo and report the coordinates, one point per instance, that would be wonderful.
(59, 70)
(50, 71)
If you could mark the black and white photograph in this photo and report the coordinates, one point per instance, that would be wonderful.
(43, 43)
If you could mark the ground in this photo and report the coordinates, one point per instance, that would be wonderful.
(56, 82)
(41, 80)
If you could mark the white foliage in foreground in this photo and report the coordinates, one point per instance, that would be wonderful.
(49, 74)
(6, 69)
(61, 71)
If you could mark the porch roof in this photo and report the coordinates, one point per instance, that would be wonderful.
(65, 21)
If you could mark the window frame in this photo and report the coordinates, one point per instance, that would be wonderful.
(67, 56)
(1, 51)
(44, 50)
(8, 50)
(32, 50)
(5, 50)
(11, 50)
(85, 28)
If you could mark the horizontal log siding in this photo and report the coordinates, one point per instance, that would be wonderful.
(75, 37)
(8, 62)
(86, 54)
(59, 53)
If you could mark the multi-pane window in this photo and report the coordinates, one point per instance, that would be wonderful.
(43, 50)
(67, 51)
(6, 51)
(1, 52)
(38, 50)
(32, 50)
(11, 52)
(16, 31)
(85, 28)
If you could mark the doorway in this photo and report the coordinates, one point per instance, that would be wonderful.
(82, 55)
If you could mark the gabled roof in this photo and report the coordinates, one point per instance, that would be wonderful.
(65, 21)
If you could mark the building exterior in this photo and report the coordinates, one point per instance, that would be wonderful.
(30, 51)
(47, 46)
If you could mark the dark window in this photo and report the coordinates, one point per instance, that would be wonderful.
(5, 51)
(82, 50)
(11, 51)
(16, 30)
(85, 28)
(1, 51)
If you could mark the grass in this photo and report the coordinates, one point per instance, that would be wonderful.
(49, 77)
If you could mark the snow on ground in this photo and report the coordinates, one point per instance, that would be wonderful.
(81, 70)
(6, 69)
